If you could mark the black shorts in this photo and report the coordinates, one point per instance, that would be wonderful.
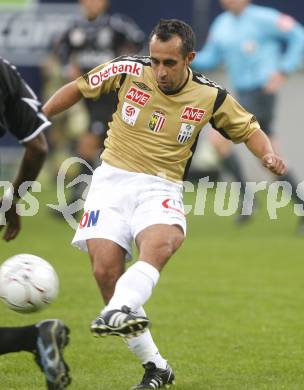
(260, 104)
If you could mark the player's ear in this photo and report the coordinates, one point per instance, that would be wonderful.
(190, 57)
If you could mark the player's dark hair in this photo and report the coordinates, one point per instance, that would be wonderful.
(166, 28)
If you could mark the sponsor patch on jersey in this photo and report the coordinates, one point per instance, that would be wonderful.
(137, 96)
(193, 114)
(142, 86)
(185, 133)
(157, 121)
(129, 113)
(113, 69)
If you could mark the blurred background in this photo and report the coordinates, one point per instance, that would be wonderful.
(29, 28)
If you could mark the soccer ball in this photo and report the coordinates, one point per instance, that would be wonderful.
(27, 283)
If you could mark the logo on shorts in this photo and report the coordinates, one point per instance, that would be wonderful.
(89, 219)
(193, 114)
(137, 96)
(157, 121)
(142, 86)
(129, 113)
(173, 204)
(185, 133)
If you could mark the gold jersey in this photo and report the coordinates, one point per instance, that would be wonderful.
(156, 133)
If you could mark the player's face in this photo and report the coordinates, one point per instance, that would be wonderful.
(235, 6)
(168, 64)
(93, 8)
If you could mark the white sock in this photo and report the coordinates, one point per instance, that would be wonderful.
(144, 347)
(134, 287)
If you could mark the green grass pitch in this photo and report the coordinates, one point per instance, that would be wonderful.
(227, 312)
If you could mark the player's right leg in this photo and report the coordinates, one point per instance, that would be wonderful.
(108, 237)
(108, 261)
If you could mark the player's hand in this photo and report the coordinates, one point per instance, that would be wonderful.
(274, 163)
(13, 223)
(274, 83)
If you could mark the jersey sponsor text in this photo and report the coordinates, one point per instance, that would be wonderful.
(137, 96)
(193, 114)
(113, 69)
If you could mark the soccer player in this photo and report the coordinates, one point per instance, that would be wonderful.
(46, 340)
(136, 193)
(259, 47)
(21, 116)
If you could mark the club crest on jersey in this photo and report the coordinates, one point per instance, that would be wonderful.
(157, 121)
(129, 113)
(193, 114)
(137, 96)
(113, 69)
(185, 133)
(142, 86)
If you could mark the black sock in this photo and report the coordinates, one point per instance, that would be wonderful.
(231, 165)
(23, 338)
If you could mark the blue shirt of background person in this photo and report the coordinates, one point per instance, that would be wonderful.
(252, 45)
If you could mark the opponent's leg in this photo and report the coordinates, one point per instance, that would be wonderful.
(46, 340)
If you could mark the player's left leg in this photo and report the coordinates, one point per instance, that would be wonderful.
(156, 245)
(157, 373)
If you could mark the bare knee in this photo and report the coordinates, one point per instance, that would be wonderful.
(102, 273)
(107, 259)
(166, 248)
(158, 243)
(105, 271)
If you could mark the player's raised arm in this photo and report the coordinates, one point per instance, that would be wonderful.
(63, 99)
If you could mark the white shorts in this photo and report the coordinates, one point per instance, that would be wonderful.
(120, 204)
